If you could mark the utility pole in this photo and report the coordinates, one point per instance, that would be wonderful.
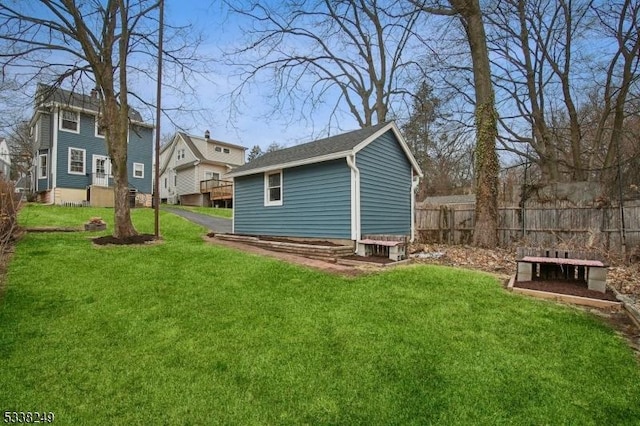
(156, 183)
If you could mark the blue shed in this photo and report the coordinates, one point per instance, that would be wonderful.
(342, 187)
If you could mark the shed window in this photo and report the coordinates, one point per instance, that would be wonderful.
(273, 188)
(70, 121)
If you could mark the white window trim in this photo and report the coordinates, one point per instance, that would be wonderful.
(268, 202)
(208, 175)
(46, 166)
(97, 121)
(107, 165)
(36, 132)
(134, 170)
(61, 119)
(84, 161)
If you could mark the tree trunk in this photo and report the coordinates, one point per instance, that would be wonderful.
(487, 167)
(116, 136)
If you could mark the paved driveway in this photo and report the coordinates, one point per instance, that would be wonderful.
(214, 224)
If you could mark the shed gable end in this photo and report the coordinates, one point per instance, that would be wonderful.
(385, 187)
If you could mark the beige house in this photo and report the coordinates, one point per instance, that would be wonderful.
(193, 169)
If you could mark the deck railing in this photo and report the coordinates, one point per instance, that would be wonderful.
(219, 189)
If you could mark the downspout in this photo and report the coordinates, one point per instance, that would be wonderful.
(355, 197)
(414, 185)
(233, 210)
(52, 181)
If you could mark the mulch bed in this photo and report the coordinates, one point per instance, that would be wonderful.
(286, 240)
(307, 242)
(566, 287)
(136, 239)
(369, 259)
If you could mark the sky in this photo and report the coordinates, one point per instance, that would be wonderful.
(249, 126)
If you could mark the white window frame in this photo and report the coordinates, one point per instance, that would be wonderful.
(218, 149)
(226, 150)
(209, 175)
(97, 128)
(267, 193)
(61, 120)
(140, 167)
(42, 175)
(84, 161)
(36, 132)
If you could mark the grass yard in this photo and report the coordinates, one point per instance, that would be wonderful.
(188, 333)
(211, 211)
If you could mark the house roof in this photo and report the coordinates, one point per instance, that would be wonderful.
(200, 158)
(80, 101)
(331, 148)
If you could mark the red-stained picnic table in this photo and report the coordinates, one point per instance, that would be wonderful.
(593, 272)
(562, 261)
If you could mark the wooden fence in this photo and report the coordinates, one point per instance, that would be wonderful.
(535, 225)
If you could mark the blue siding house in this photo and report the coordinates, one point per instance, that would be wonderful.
(343, 187)
(72, 165)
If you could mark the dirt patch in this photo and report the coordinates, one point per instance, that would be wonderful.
(326, 265)
(566, 287)
(133, 240)
(369, 259)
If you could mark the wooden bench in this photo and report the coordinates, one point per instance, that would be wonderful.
(553, 267)
(395, 249)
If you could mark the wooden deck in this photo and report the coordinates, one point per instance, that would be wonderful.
(217, 189)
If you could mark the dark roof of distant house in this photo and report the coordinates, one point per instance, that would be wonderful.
(320, 150)
(76, 100)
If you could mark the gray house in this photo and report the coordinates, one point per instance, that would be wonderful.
(343, 187)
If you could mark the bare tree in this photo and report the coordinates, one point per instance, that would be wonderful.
(621, 22)
(355, 53)
(560, 98)
(22, 148)
(487, 167)
(439, 146)
(96, 43)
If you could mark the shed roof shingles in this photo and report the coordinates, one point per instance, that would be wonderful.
(319, 148)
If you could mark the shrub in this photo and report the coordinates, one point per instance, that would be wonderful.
(9, 205)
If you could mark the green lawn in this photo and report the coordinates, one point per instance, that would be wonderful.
(211, 211)
(188, 333)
